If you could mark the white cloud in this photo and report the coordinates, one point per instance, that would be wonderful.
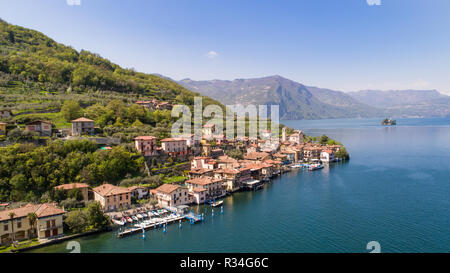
(212, 54)
(374, 2)
(420, 83)
(73, 2)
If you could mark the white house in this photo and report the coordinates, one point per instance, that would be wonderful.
(327, 156)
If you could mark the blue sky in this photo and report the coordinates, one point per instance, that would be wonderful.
(340, 44)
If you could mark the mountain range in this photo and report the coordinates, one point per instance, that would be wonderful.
(298, 101)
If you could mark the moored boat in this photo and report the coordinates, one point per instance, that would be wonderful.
(217, 203)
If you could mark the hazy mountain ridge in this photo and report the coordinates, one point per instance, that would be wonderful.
(407, 103)
(296, 100)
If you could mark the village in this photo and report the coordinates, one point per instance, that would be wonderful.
(216, 167)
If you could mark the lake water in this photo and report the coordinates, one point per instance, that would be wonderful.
(394, 190)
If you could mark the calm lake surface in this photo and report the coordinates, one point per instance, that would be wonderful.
(395, 190)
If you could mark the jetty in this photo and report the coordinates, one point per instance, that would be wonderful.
(156, 222)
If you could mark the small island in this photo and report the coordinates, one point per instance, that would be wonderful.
(388, 121)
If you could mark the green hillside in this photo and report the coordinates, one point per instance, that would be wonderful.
(32, 63)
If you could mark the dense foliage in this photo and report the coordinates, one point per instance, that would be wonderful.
(28, 171)
(91, 218)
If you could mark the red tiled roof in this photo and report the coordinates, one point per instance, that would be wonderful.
(41, 210)
(82, 120)
(202, 181)
(144, 138)
(71, 186)
(167, 188)
(173, 139)
(108, 190)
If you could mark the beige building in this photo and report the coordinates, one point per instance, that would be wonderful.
(48, 224)
(112, 197)
(171, 195)
(84, 188)
(213, 186)
(82, 126)
(174, 146)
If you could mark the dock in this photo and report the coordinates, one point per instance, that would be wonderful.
(193, 218)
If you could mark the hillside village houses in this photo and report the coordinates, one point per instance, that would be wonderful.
(174, 146)
(42, 127)
(146, 145)
(82, 126)
(2, 128)
(49, 223)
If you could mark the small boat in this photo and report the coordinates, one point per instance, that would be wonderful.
(129, 219)
(139, 216)
(155, 213)
(296, 166)
(315, 167)
(217, 204)
(134, 218)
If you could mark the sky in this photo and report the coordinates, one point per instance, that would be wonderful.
(345, 45)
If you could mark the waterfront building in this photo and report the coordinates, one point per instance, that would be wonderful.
(146, 145)
(213, 186)
(112, 197)
(174, 146)
(48, 224)
(311, 153)
(138, 192)
(198, 195)
(327, 156)
(44, 128)
(290, 155)
(84, 189)
(82, 126)
(229, 178)
(171, 195)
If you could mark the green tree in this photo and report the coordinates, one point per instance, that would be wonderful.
(32, 217)
(77, 221)
(75, 194)
(97, 219)
(323, 139)
(71, 110)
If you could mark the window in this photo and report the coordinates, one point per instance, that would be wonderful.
(53, 223)
(6, 227)
(19, 224)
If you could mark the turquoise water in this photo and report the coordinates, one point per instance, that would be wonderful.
(394, 190)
